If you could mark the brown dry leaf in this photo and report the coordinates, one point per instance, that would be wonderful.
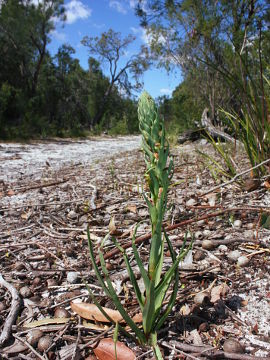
(106, 351)
(251, 184)
(92, 312)
(26, 215)
(132, 208)
(16, 348)
(218, 291)
(10, 192)
(266, 184)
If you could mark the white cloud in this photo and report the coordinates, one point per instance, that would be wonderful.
(59, 35)
(165, 91)
(135, 30)
(75, 10)
(116, 5)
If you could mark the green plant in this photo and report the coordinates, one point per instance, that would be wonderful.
(226, 169)
(159, 171)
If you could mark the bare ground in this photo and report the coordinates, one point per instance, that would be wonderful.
(47, 200)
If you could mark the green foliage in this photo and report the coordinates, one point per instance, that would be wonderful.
(159, 171)
(222, 48)
(41, 95)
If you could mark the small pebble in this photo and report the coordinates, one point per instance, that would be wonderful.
(61, 312)
(198, 235)
(250, 226)
(237, 224)
(26, 292)
(242, 261)
(51, 282)
(33, 336)
(208, 245)
(44, 343)
(233, 346)
(72, 214)
(206, 232)
(191, 202)
(36, 281)
(223, 248)
(234, 255)
(72, 277)
(199, 255)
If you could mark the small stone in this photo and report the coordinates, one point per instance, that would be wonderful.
(208, 245)
(202, 298)
(234, 255)
(191, 202)
(233, 346)
(198, 235)
(250, 226)
(26, 292)
(207, 232)
(61, 312)
(36, 281)
(72, 214)
(72, 277)
(242, 261)
(237, 224)
(199, 255)
(44, 343)
(33, 336)
(223, 248)
(51, 282)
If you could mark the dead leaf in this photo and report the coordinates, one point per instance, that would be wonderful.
(16, 348)
(46, 321)
(251, 184)
(92, 326)
(92, 312)
(26, 215)
(106, 351)
(218, 291)
(132, 208)
(266, 184)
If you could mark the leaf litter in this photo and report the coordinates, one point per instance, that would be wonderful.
(50, 192)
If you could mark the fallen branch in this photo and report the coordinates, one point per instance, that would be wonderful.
(37, 186)
(12, 316)
(146, 237)
(235, 177)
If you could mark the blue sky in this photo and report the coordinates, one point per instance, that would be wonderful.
(91, 18)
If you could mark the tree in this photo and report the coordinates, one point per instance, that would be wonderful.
(212, 41)
(110, 49)
(24, 35)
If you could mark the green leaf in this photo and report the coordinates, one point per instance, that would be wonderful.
(149, 309)
(118, 304)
